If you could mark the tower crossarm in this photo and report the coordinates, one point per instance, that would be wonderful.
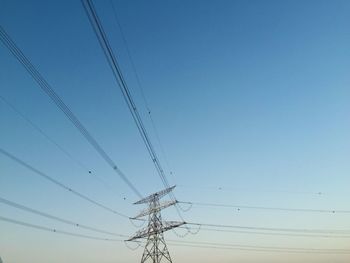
(155, 250)
(151, 210)
(148, 231)
(157, 195)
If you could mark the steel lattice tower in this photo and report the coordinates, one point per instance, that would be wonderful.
(156, 250)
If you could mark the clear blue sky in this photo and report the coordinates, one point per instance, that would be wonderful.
(248, 95)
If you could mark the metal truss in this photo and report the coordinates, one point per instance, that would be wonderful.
(156, 250)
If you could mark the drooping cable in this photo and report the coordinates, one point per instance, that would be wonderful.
(260, 250)
(194, 231)
(132, 221)
(305, 230)
(45, 86)
(56, 144)
(113, 63)
(59, 184)
(240, 207)
(54, 230)
(138, 244)
(140, 87)
(347, 251)
(56, 218)
(45, 135)
(188, 207)
(266, 233)
(190, 243)
(180, 234)
(231, 189)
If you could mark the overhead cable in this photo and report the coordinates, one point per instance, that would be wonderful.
(266, 233)
(303, 230)
(63, 150)
(326, 250)
(189, 243)
(232, 189)
(46, 87)
(45, 135)
(59, 184)
(56, 218)
(54, 230)
(140, 86)
(113, 63)
(258, 250)
(240, 207)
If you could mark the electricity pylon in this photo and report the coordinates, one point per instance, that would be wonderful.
(155, 249)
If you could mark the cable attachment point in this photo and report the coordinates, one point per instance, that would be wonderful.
(185, 209)
(132, 248)
(181, 235)
(132, 221)
(196, 231)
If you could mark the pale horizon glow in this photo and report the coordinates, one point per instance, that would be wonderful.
(250, 100)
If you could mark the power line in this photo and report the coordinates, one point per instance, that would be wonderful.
(305, 230)
(347, 251)
(54, 230)
(239, 207)
(186, 244)
(258, 250)
(56, 218)
(228, 228)
(45, 86)
(138, 81)
(196, 244)
(113, 63)
(269, 233)
(248, 190)
(45, 135)
(155, 248)
(63, 150)
(59, 184)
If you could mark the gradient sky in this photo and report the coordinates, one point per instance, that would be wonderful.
(248, 95)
